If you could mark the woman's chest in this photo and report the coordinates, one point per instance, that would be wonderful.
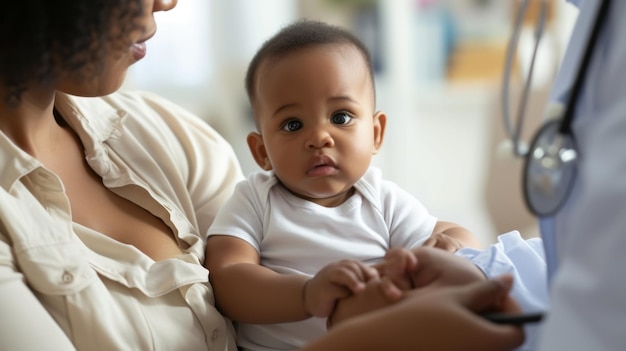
(97, 207)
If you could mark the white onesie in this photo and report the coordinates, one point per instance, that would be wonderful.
(296, 236)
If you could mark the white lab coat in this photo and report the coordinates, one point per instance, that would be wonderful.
(588, 288)
(586, 241)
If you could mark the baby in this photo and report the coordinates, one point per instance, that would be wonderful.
(302, 234)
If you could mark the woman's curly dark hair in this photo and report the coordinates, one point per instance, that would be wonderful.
(39, 39)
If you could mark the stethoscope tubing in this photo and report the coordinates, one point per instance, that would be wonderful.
(515, 133)
(548, 176)
(568, 117)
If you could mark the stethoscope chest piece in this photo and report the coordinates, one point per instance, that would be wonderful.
(550, 169)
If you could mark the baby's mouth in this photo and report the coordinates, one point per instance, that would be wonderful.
(322, 165)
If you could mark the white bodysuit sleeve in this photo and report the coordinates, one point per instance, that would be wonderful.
(241, 216)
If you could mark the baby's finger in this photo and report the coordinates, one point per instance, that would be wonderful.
(399, 261)
(390, 290)
(350, 275)
(363, 271)
(368, 272)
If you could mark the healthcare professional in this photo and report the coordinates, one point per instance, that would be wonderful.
(585, 240)
(580, 197)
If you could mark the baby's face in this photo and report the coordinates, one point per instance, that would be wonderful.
(316, 117)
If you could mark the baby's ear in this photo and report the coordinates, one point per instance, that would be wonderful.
(258, 151)
(380, 122)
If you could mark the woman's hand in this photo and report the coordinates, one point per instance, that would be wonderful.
(441, 268)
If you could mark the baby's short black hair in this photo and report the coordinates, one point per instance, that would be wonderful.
(302, 34)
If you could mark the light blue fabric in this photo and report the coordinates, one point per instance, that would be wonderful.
(525, 261)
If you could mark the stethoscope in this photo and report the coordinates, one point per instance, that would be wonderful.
(550, 165)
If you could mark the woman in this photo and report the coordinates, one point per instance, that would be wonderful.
(105, 197)
(104, 201)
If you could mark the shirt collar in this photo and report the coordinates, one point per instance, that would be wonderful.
(93, 119)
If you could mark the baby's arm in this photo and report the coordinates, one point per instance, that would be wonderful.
(395, 272)
(334, 282)
(247, 292)
(451, 237)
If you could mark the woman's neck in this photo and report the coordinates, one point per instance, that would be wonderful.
(31, 124)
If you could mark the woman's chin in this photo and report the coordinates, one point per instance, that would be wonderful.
(98, 86)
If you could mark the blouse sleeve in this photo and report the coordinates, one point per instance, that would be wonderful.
(25, 323)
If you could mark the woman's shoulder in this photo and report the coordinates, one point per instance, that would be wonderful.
(139, 110)
(144, 105)
(134, 103)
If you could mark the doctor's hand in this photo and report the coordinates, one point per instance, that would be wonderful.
(424, 318)
(421, 267)
(335, 281)
(435, 267)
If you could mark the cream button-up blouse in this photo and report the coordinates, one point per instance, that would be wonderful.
(65, 286)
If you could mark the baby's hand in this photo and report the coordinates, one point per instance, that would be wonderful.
(395, 270)
(333, 282)
(397, 266)
(443, 241)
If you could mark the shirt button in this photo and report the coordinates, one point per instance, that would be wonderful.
(215, 334)
(67, 277)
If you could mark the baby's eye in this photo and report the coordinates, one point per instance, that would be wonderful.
(340, 118)
(291, 125)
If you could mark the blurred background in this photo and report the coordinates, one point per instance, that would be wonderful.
(439, 66)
